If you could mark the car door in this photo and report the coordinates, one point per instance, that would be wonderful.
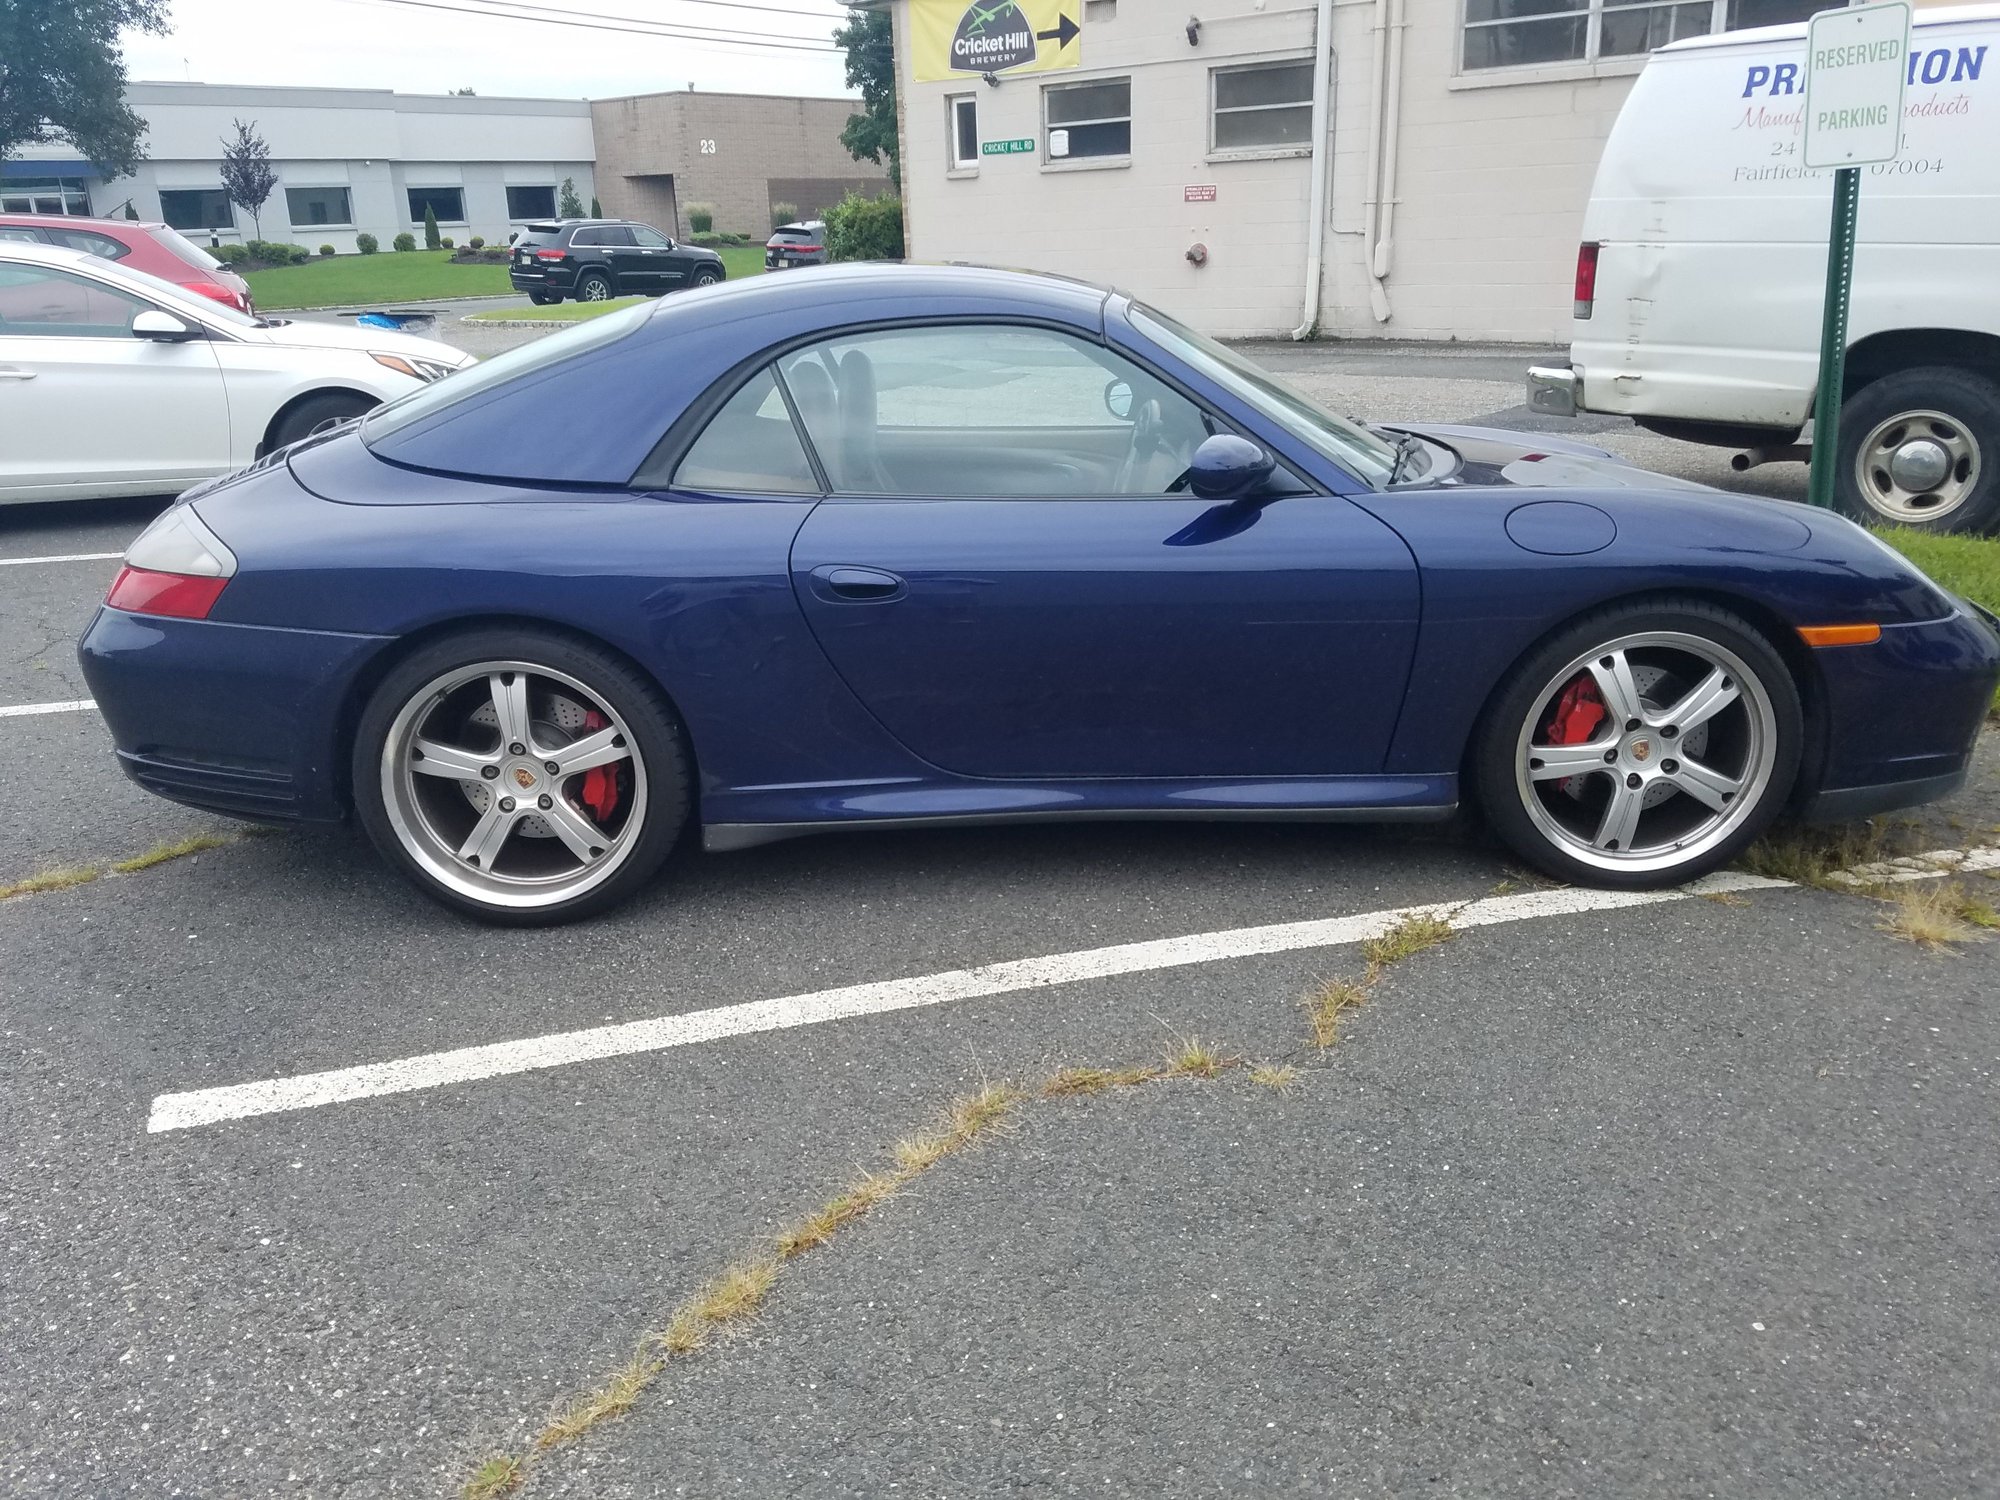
(665, 269)
(87, 406)
(1005, 574)
(628, 263)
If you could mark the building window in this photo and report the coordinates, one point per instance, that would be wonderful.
(196, 208)
(1100, 10)
(448, 204)
(1518, 33)
(1088, 119)
(1261, 107)
(531, 203)
(44, 195)
(964, 110)
(315, 206)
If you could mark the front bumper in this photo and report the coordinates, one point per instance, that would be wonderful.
(1552, 390)
(237, 719)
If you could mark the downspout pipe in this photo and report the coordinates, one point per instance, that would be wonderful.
(1371, 202)
(1322, 165)
(1392, 130)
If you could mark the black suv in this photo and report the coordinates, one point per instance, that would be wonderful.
(594, 260)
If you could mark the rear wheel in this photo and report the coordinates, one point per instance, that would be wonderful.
(318, 414)
(1922, 448)
(545, 299)
(593, 286)
(521, 777)
(1644, 746)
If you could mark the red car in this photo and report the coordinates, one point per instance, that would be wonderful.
(153, 248)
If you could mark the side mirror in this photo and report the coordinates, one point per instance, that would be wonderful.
(1227, 467)
(162, 327)
(1118, 399)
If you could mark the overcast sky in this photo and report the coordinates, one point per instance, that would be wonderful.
(388, 44)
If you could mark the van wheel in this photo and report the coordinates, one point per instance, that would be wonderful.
(1922, 448)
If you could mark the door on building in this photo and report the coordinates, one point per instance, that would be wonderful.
(1008, 574)
(84, 400)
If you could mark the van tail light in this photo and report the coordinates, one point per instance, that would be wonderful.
(216, 292)
(177, 567)
(1586, 280)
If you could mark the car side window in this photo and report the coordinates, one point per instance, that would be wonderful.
(749, 447)
(587, 237)
(997, 410)
(96, 244)
(652, 239)
(615, 234)
(27, 236)
(42, 302)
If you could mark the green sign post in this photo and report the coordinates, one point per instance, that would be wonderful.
(1856, 65)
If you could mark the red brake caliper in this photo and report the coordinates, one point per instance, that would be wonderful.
(600, 783)
(1578, 713)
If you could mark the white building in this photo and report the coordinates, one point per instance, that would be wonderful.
(348, 161)
(1177, 157)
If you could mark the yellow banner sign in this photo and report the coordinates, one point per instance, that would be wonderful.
(965, 38)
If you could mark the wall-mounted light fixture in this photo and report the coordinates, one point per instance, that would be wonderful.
(992, 80)
(1194, 31)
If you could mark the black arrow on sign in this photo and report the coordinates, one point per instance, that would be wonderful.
(1064, 33)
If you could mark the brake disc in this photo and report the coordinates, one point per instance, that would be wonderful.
(564, 722)
(1648, 680)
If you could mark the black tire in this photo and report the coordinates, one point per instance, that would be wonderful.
(1968, 435)
(705, 276)
(317, 413)
(1770, 734)
(545, 299)
(594, 286)
(635, 703)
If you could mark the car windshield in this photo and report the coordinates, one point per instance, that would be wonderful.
(1339, 438)
(465, 384)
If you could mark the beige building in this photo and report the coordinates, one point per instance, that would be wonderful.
(742, 153)
(1177, 157)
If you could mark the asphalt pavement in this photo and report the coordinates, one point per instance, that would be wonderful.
(1691, 1198)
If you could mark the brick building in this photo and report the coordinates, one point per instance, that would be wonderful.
(657, 153)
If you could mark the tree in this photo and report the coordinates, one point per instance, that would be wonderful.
(430, 227)
(62, 77)
(871, 67)
(595, 211)
(571, 206)
(246, 172)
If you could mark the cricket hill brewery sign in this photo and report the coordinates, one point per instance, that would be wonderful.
(956, 39)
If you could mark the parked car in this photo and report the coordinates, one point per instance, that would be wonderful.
(801, 244)
(1700, 277)
(141, 246)
(909, 545)
(594, 260)
(114, 382)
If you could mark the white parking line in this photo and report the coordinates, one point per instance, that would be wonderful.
(22, 562)
(67, 706)
(469, 1064)
(1920, 867)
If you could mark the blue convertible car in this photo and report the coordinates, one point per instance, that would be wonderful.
(902, 545)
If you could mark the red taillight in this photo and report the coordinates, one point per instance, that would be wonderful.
(184, 596)
(218, 293)
(552, 255)
(1586, 280)
(800, 249)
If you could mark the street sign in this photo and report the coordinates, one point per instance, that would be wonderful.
(1857, 62)
(1006, 148)
(1856, 66)
(957, 39)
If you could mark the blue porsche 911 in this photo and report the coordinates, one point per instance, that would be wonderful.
(896, 545)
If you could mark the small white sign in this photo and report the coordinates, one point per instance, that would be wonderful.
(1058, 143)
(1857, 62)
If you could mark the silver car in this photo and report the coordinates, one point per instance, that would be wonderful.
(802, 244)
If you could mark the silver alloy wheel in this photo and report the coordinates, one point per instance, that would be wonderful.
(482, 780)
(594, 289)
(1679, 762)
(1917, 466)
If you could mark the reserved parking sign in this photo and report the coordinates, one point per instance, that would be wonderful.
(1856, 62)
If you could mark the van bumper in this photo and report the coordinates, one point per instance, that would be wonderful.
(1552, 390)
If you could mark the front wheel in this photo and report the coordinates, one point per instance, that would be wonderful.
(317, 414)
(706, 275)
(1922, 448)
(1644, 746)
(521, 777)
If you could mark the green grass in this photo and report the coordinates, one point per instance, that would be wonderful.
(375, 280)
(1967, 565)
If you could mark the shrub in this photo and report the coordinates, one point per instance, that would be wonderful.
(859, 228)
(595, 211)
(276, 254)
(405, 241)
(326, 249)
(568, 205)
(447, 243)
(430, 228)
(783, 214)
(701, 217)
(230, 255)
(367, 244)
(708, 241)
(477, 242)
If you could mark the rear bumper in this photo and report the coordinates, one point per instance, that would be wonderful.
(237, 719)
(536, 279)
(1552, 390)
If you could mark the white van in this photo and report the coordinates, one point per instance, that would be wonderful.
(1700, 279)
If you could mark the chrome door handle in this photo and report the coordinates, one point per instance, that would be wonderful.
(9, 372)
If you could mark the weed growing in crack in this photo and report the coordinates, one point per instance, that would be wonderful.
(1939, 918)
(1412, 935)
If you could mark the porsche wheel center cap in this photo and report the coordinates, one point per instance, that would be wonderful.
(1640, 750)
(522, 777)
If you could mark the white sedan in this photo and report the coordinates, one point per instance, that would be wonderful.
(113, 382)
